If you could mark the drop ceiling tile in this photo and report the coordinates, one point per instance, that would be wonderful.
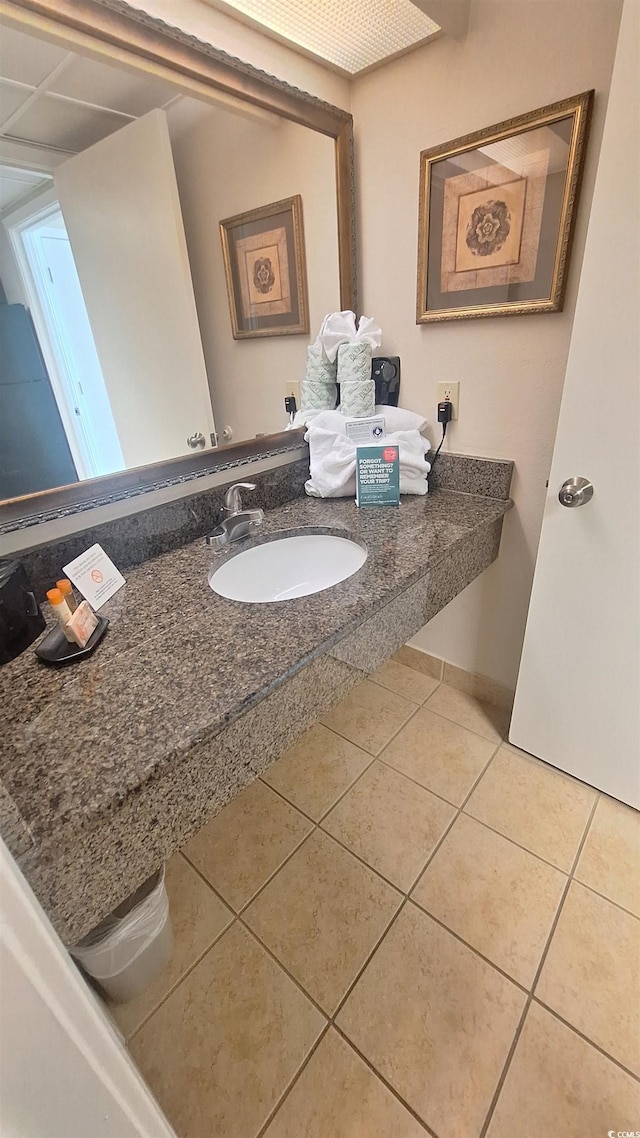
(16, 184)
(11, 99)
(68, 126)
(26, 58)
(113, 87)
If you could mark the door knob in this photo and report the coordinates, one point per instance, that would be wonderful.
(195, 441)
(575, 492)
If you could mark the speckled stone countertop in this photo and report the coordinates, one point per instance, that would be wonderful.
(179, 663)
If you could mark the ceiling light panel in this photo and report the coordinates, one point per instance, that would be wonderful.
(351, 37)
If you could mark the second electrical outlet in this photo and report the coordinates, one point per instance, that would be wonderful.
(451, 393)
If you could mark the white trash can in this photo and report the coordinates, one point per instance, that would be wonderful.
(127, 950)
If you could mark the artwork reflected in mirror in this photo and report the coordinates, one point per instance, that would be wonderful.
(118, 348)
(264, 261)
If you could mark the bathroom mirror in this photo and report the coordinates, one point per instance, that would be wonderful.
(123, 145)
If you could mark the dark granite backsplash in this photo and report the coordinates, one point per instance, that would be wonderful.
(466, 474)
(139, 537)
(135, 538)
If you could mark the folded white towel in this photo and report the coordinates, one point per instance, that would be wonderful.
(340, 328)
(333, 454)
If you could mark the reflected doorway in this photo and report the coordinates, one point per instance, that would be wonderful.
(43, 252)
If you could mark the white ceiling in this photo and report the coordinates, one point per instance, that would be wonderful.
(52, 98)
(17, 184)
(54, 103)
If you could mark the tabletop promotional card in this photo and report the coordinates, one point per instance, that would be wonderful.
(95, 576)
(377, 476)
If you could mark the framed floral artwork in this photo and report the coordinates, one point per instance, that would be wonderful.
(264, 263)
(497, 210)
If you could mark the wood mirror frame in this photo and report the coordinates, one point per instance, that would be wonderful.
(115, 32)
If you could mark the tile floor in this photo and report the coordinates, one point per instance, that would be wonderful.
(406, 927)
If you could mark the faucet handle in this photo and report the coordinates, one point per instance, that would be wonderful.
(232, 499)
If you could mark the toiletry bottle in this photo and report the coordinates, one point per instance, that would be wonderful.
(61, 610)
(67, 592)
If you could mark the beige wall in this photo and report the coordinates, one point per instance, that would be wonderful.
(259, 368)
(518, 54)
(226, 164)
(200, 19)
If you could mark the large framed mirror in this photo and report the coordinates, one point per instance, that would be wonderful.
(124, 144)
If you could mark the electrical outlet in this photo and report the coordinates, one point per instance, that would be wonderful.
(292, 388)
(451, 393)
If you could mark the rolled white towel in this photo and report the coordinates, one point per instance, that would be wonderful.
(318, 388)
(357, 387)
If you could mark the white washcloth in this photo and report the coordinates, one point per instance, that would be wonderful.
(340, 328)
(333, 453)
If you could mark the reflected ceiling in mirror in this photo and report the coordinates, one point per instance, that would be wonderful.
(116, 335)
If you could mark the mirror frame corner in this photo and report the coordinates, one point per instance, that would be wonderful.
(113, 30)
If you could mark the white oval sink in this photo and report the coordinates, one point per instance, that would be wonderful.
(287, 567)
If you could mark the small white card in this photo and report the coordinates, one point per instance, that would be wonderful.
(366, 431)
(95, 576)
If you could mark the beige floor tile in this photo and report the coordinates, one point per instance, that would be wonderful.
(390, 823)
(436, 1021)
(317, 770)
(246, 842)
(439, 754)
(419, 661)
(540, 808)
(484, 718)
(321, 916)
(370, 716)
(558, 1084)
(591, 976)
(610, 858)
(220, 1052)
(197, 917)
(496, 896)
(408, 682)
(337, 1096)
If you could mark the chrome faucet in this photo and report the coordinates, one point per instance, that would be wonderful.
(238, 522)
(233, 499)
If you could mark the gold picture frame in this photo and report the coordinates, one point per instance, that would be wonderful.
(496, 216)
(265, 269)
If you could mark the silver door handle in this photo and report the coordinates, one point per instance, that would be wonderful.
(195, 441)
(575, 492)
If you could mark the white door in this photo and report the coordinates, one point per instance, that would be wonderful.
(121, 210)
(89, 403)
(64, 1072)
(578, 690)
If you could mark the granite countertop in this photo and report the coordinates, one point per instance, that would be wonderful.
(179, 662)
